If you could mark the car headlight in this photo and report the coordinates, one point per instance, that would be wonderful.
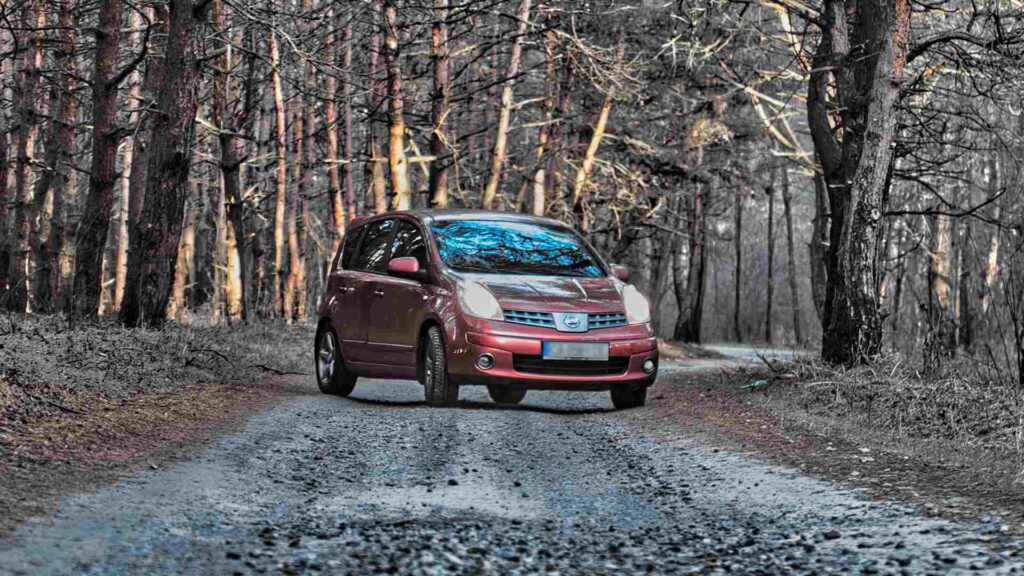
(478, 301)
(638, 311)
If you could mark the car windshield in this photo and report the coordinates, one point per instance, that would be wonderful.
(509, 247)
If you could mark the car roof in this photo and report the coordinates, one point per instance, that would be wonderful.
(464, 214)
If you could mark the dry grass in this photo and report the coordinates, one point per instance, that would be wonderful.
(962, 412)
(48, 367)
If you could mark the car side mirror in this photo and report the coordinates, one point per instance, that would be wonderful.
(406, 267)
(620, 272)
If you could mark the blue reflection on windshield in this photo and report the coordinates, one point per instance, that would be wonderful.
(505, 247)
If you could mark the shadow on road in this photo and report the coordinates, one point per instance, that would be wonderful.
(477, 405)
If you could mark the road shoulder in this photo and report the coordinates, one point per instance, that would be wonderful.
(706, 403)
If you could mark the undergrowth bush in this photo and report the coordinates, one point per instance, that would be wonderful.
(963, 402)
(49, 365)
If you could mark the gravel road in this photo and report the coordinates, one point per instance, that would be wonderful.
(381, 483)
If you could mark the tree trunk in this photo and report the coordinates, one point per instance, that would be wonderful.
(281, 196)
(540, 176)
(184, 265)
(505, 113)
(33, 22)
(819, 248)
(5, 248)
(231, 231)
(661, 262)
(738, 244)
(940, 342)
(794, 291)
(56, 184)
(291, 217)
(95, 220)
(865, 50)
(691, 301)
(140, 155)
(770, 191)
(153, 253)
(375, 100)
(397, 161)
(439, 107)
(331, 127)
(348, 153)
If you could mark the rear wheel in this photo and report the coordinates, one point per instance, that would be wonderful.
(331, 376)
(506, 394)
(625, 396)
(439, 389)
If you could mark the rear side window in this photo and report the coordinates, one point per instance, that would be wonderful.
(348, 251)
(409, 242)
(373, 249)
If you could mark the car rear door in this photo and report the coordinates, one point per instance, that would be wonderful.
(341, 296)
(368, 264)
(398, 304)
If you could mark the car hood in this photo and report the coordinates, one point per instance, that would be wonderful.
(552, 293)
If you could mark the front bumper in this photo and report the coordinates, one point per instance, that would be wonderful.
(626, 350)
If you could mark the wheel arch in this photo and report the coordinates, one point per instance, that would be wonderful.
(421, 337)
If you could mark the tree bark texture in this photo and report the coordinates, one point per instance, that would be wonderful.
(864, 49)
(153, 254)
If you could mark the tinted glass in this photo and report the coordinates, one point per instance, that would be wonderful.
(374, 248)
(349, 250)
(500, 247)
(409, 242)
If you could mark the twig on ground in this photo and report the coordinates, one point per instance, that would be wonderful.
(277, 372)
(54, 404)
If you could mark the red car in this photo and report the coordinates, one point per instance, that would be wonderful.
(455, 298)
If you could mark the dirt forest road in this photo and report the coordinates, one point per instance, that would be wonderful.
(380, 483)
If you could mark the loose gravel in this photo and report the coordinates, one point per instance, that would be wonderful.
(379, 483)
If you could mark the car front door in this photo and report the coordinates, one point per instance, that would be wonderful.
(368, 264)
(398, 304)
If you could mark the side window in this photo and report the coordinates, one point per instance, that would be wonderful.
(373, 249)
(349, 248)
(409, 242)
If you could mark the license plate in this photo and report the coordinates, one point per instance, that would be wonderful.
(575, 351)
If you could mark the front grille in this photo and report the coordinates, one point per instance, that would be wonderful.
(529, 318)
(595, 321)
(606, 320)
(538, 365)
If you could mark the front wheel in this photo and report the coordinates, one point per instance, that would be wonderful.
(626, 396)
(439, 389)
(331, 376)
(506, 394)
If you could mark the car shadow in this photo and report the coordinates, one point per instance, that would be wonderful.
(477, 405)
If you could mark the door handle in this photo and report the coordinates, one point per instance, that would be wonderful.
(344, 289)
(378, 293)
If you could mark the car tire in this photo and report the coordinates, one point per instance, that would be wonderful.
(329, 365)
(439, 389)
(506, 394)
(626, 396)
